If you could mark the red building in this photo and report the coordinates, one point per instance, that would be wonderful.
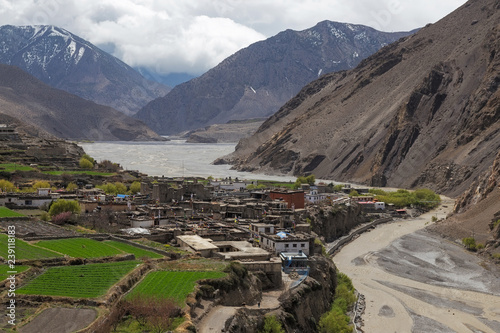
(294, 199)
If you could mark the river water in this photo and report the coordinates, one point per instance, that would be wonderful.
(173, 158)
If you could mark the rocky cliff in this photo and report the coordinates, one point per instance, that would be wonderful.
(257, 80)
(332, 222)
(422, 112)
(300, 308)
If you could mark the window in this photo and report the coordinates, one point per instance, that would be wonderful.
(294, 245)
(286, 245)
(302, 245)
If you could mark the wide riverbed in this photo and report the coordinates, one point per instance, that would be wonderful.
(414, 281)
(173, 158)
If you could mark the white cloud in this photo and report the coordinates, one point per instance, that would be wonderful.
(194, 35)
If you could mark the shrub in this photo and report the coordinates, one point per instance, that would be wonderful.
(311, 179)
(86, 164)
(61, 218)
(469, 243)
(41, 184)
(135, 187)
(272, 325)
(62, 205)
(7, 186)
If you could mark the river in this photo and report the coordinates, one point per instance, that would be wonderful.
(173, 158)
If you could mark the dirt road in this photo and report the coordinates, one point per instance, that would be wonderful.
(414, 281)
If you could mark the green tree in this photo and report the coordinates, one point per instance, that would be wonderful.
(311, 179)
(353, 193)
(120, 188)
(135, 187)
(71, 187)
(334, 322)
(7, 186)
(86, 164)
(62, 205)
(272, 325)
(338, 188)
(88, 158)
(41, 184)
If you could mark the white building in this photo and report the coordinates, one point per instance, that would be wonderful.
(286, 242)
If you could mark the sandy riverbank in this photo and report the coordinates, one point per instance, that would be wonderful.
(415, 281)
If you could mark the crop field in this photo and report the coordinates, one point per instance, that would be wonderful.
(11, 167)
(80, 247)
(5, 212)
(127, 248)
(25, 250)
(86, 172)
(172, 284)
(5, 268)
(85, 281)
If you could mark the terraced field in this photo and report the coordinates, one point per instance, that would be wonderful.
(25, 250)
(85, 281)
(5, 268)
(6, 212)
(172, 284)
(127, 248)
(80, 247)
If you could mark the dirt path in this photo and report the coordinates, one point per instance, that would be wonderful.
(414, 281)
(215, 320)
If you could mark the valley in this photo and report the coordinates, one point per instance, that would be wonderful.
(336, 178)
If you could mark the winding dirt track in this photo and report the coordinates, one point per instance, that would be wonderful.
(415, 281)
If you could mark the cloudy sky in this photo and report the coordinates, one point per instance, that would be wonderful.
(193, 36)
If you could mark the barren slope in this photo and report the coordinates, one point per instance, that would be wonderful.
(255, 81)
(62, 114)
(420, 112)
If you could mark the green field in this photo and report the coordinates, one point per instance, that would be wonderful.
(138, 252)
(11, 167)
(5, 268)
(172, 284)
(90, 173)
(5, 212)
(86, 281)
(25, 250)
(80, 247)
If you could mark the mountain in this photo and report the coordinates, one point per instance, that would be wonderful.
(170, 79)
(66, 61)
(257, 80)
(422, 112)
(62, 114)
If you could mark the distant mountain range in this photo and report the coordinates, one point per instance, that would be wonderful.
(62, 114)
(421, 112)
(66, 61)
(256, 81)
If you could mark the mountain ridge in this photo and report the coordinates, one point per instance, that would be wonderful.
(420, 112)
(255, 81)
(68, 62)
(62, 114)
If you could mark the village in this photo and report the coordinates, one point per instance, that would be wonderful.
(264, 229)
